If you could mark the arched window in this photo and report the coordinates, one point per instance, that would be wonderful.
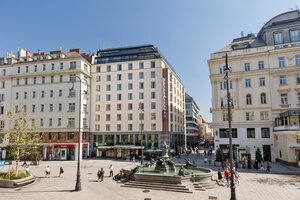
(221, 70)
(248, 99)
(263, 98)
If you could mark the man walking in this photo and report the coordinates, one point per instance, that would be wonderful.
(111, 170)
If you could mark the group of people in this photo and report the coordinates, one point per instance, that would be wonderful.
(118, 177)
(47, 171)
(227, 175)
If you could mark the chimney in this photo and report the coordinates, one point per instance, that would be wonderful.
(75, 50)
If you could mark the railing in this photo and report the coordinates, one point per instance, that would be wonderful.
(289, 128)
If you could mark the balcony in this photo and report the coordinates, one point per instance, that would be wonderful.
(287, 128)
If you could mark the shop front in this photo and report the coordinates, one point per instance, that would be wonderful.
(119, 152)
(66, 151)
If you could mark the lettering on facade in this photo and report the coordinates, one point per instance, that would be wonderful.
(165, 113)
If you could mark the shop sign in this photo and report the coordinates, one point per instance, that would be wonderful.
(67, 146)
(84, 145)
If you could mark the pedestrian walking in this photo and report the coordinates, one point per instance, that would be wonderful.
(61, 171)
(133, 159)
(100, 175)
(227, 175)
(220, 177)
(47, 171)
(111, 170)
(205, 161)
(237, 177)
(27, 170)
(268, 170)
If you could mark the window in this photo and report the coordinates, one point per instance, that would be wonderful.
(41, 122)
(60, 93)
(153, 116)
(97, 118)
(72, 78)
(18, 81)
(73, 65)
(153, 105)
(108, 97)
(98, 69)
(250, 133)
(26, 81)
(248, 83)
(129, 76)
(108, 107)
(1, 110)
(278, 39)
(3, 84)
(248, 99)
(298, 78)
(108, 87)
(129, 66)
(119, 117)
(261, 65)
(249, 116)
(129, 96)
(25, 95)
(52, 79)
(61, 65)
(153, 96)
(43, 80)
(27, 69)
(141, 116)
(141, 75)
(247, 66)
(72, 93)
(130, 106)
(221, 85)
(119, 86)
(71, 107)
(108, 77)
(119, 97)
(108, 68)
(297, 60)
(51, 93)
(152, 64)
(262, 82)
(61, 79)
(70, 135)
(281, 61)
(33, 108)
(265, 132)
(98, 88)
(264, 115)
(71, 122)
(282, 80)
(141, 95)
(59, 124)
(284, 99)
(52, 66)
(60, 107)
(50, 122)
(119, 106)
(130, 86)
(152, 75)
(119, 67)
(98, 78)
(141, 85)
(2, 124)
(4, 72)
(51, 107)
(85, 108)
(107, 118)
(16, 109)
(42, 107)
(153, 127)
(294, 35)
(224, 133)
(225, 116)
(119, 77)
(17, 95)
(19, 69)
(298, 97)
(263, 98)
(141, 65)
(153, 84)
(129, 127)
(107, 128)
(129, 116)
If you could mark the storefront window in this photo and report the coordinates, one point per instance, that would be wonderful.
(152, 141)
(140, 139)
(109, 140)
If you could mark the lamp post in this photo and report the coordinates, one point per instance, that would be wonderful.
(78, 183)
(227, 69)
(142, 147)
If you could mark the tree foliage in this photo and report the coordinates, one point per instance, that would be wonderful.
(22, 136)
(219, 155)
(258, 155)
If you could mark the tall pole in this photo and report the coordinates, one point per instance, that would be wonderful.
(78, 183)
(142, 148)
(232, 185)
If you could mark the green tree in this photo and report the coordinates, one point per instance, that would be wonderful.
(22, 138)
(219, 155)
(258, 155)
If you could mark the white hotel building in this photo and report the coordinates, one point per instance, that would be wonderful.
(265, 91)
(137, 100)
(41, 83)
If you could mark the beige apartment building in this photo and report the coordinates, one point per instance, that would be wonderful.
(137, 101)
(265, 91)
(41, 83)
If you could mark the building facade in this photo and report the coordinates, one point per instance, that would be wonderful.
(264, 88)
(193, 121)
(41, 84)
(138, 101)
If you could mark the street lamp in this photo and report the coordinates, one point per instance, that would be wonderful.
(227, 69)
(142, 147)
(81, 80)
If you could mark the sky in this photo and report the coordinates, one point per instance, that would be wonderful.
(185, 31)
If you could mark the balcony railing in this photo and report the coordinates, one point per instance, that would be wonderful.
(287, 128)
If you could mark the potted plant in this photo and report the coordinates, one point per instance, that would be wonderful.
(219, 157)
(258, 158)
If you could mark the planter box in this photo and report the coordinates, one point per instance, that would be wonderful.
(16, 183)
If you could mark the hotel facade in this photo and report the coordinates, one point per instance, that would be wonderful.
(265, 91)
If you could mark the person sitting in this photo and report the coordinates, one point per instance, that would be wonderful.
(120, 176)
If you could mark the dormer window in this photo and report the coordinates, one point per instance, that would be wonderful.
(278, 38)
(294, 35)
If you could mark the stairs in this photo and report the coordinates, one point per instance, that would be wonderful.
(157, 186)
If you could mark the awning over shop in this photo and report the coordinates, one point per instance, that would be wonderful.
(120, 147)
